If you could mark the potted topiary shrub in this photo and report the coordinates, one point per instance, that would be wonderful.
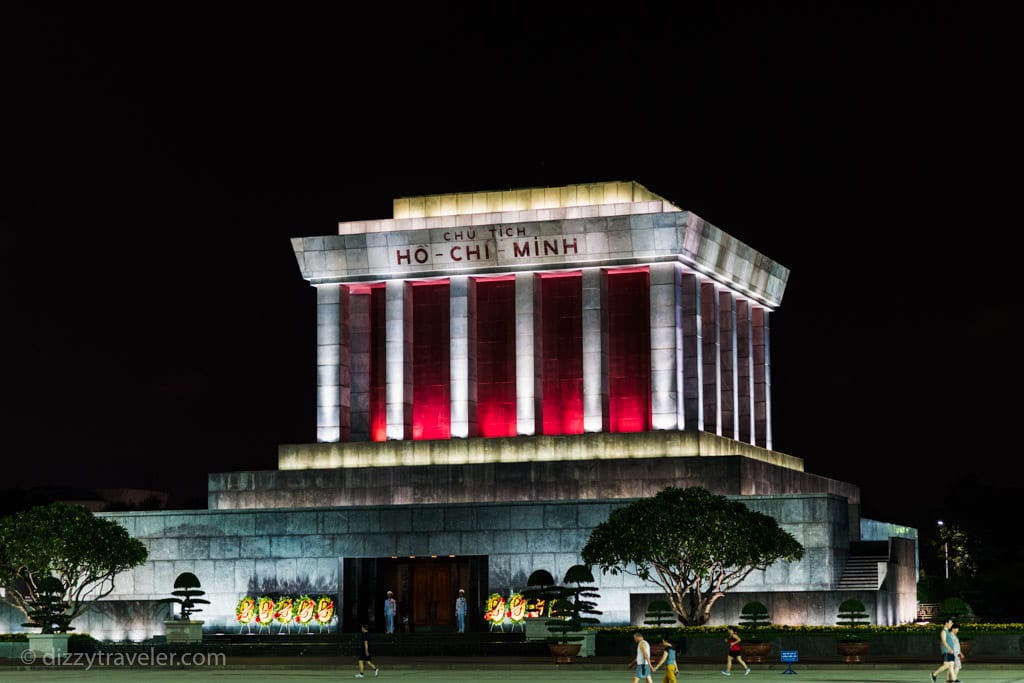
(571, 612)
(756, 622)
(47, 611)
(187, 592)
(852, 645)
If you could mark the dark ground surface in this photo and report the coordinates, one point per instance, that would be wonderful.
(507, 651)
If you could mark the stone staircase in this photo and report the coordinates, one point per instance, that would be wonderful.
(862, 573)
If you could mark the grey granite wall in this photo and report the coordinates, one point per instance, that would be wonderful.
(240, 552)
(562, 480)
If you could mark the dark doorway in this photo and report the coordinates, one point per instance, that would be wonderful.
(425, 588)
(432, 595)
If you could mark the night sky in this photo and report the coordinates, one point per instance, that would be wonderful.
(155, 163)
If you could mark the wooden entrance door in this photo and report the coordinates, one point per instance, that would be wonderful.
(432, 602)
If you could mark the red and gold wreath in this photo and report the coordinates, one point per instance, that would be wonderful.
(245, 610)
(516, 608)
(495, 608)
(304, 608)
(324, 610)
(284, 610)
(265, 611)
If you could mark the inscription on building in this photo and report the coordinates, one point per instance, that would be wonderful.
(483, 246)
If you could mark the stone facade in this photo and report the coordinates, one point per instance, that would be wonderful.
(300, 550)
(462, 443)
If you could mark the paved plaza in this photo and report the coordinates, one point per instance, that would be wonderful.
(442, 670)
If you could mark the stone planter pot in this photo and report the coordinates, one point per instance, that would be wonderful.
(181, 631)
(754, 652)
(852, 653)
(564, 653)
(50, 646)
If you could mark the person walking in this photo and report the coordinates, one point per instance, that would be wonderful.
(390, 609)
(734, 652)
(365, 658)
(460, 610)
(958, 657)
(946, 648)
(668, 658)
(642, 661)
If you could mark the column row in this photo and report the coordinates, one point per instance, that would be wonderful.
(603, 349)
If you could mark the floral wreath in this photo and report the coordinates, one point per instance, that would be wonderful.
(284, 609)
(304, 607)
(495, 608)
(324, 613)
(246, 610)
(265, 606)
(516, 608)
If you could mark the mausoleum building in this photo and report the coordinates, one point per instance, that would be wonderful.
(496, 372)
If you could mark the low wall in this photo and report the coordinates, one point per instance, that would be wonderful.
(824, 646)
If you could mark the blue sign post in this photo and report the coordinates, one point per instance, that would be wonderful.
(788, 657)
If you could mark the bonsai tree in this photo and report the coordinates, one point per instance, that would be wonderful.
(565, 620)
(71, 545)
(582, 593)
(852, 614)
(186, 593)
(755, 620)
(699, 546)
(47, 609)
(659, 613)
(571, 611)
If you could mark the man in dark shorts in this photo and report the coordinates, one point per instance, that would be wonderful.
(948, 656)
(365, 658)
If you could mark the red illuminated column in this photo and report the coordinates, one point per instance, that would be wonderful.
(627, 349)
(558, 351)
(376, 380)
(428, 321)
(492, 315)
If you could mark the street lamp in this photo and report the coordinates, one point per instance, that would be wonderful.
(945, 550)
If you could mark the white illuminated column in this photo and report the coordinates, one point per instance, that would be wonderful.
(459, 338)
(526, 423)
(592, 396)
(666, 348)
